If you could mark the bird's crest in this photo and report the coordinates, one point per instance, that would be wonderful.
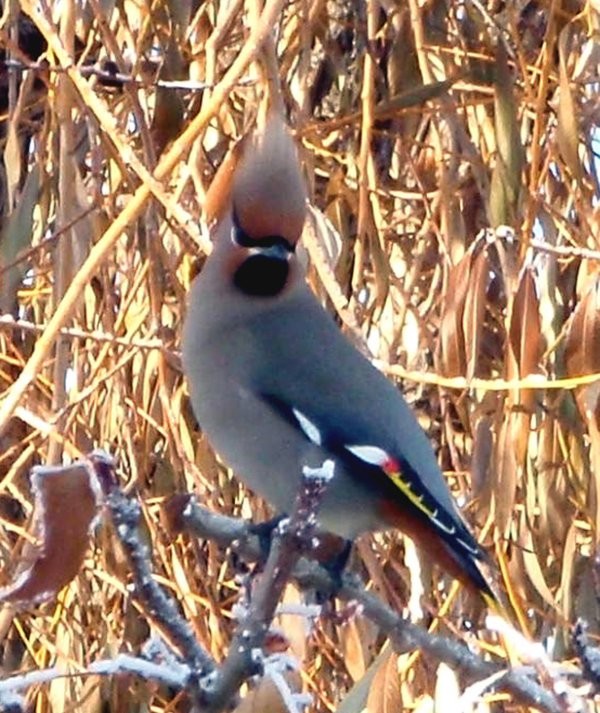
(269, 195)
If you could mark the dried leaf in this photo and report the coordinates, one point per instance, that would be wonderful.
(385, 696)
(505, 486)
(532, 564)
(506, 178)
(483, 446)
(169, 109)
(453, 360)
(415, 96)
(16, 236)
(474, 310)
(219, 192)
(569, 560)
(524, 332)
(66, 503)
(353, 649)
(13, 150)
(267, 697)
(525, 340)
(463, 314)
(355, 700)
(582, 348)
(567, 130)
(180, 12)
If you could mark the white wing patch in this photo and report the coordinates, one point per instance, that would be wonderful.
(308, 428)
(369, 454)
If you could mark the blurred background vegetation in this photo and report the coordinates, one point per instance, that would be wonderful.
(451, 151)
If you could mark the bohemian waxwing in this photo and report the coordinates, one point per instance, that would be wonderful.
(276, 386)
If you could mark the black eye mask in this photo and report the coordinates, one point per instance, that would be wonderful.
(241, 238)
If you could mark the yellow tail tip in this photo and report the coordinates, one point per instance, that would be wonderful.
(494, 604)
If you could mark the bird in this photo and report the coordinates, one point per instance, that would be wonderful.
(277, 387)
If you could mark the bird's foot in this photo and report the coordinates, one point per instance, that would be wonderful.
(332, 553)
(264, 532)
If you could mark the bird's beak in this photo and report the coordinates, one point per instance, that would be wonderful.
(277, 251)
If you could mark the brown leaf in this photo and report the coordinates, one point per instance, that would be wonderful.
(594, 436)
(168, 116)
(567, 130)
(582, 348)
(551, 486)
(526, 344)
(385, 695)
(266, 698)
(172, 513)
(474, 310)
(483, 445)
(586, 605)
(66, 503)
(453, 360)
(416, 96)
(353, 649)
(505, 487)
(505, 187)
(533, 566)
(525, 333)
(582, 345)
(16, 236)
(462, 321)
(569, 558)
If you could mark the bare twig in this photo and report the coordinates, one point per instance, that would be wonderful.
(126, 515)
(292, 538)
(588, 654)
(572, 251)
(8, 322)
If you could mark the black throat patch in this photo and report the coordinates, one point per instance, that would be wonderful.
(265, 271)
(261, 275)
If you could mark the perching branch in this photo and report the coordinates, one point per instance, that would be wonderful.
(228, 531)
(185, 665)
(210, 685)
(291, 539)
